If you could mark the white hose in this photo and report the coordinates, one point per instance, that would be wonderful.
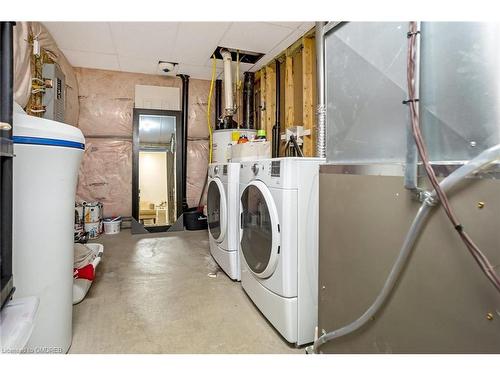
(482, 160)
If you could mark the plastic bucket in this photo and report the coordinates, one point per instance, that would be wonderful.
(112, 226)
(194, 220)
(92, 212)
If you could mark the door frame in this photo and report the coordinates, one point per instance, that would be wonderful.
(179, 143)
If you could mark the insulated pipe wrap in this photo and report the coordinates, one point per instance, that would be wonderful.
(228, 82)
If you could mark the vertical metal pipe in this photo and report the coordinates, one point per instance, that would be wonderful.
(6, 167)
(320, 87)
(248, 100)
(277, 127)
(218, 102)
(185, 117)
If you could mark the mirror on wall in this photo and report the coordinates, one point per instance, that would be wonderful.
(157, 172)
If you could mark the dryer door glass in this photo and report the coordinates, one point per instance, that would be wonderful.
(214, 209)
(257, 233)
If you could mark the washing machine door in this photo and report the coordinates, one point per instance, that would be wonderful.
(260, 235)
(216, 210)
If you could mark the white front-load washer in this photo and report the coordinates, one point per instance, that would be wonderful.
(279, 242)
(223, 208)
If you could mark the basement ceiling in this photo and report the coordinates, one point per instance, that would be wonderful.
(138, 46)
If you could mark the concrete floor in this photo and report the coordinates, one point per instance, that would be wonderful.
(152, 294)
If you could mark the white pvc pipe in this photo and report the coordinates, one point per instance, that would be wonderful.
(487, 157)
(228, 83)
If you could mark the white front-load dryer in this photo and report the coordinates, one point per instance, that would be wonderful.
(279, 242)
(222, 215)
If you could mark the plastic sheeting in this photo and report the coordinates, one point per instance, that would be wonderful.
(22, 64)
(106, 108)
(197, 107)
(106, 175)
(22, 67)
(197, 163)
(107, 99)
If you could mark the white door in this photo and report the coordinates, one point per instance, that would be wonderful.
(216, 210)
(260, 233)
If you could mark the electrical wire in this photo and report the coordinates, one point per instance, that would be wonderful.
(474, 250)
(209, 105)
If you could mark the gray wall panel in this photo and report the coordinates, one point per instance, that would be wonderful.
(441, 302)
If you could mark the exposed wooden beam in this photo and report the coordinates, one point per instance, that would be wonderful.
(289, 103)
(262, 104)
(308, 90)
(270, 95)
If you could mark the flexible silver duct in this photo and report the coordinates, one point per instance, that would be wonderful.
(320, 87)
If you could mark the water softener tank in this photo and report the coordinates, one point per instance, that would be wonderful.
(46, 163)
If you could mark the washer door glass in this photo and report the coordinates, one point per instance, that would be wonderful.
(259, 226)
(216, 204)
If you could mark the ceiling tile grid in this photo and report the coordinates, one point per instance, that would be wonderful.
(138, 46)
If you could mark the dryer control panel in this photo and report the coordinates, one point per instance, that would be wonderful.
(283, 173)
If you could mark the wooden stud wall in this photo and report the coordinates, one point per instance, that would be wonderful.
(270, 99)
(308, 95)
(298, 67)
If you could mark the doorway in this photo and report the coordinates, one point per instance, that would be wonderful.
(157, 168)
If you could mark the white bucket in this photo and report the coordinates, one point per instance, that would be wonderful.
(92, 212)
(112, 227)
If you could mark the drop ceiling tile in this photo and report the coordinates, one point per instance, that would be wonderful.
(198, 71)
(197, 40)
(290, 25)
(306, 26)
(82, 36)
(92, 60)
(254, 36)
(137, 65)
(146, 40)
(279, 48)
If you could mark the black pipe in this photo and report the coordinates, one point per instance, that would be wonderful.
(185, 117)
(218, 103)
(277, 127)
(248, 100)
(6, 104)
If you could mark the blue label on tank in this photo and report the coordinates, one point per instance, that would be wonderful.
(47, 142)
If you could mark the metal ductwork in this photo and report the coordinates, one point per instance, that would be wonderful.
(184, 136)
(6, 152)
(248, 100)
(218, 103)
(320, 87)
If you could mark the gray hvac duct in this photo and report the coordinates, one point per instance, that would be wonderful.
(320, 87)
